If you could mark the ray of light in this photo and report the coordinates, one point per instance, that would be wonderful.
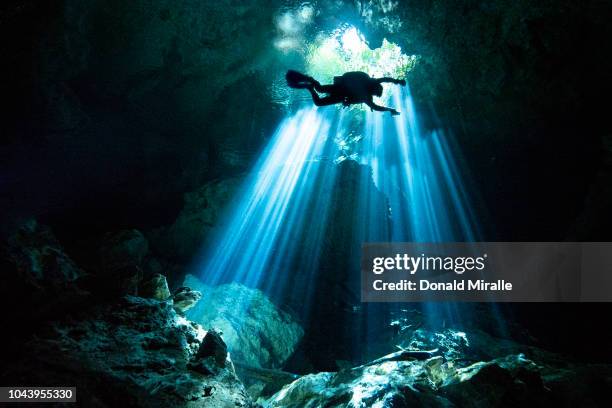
(244, 248)
(275, 231)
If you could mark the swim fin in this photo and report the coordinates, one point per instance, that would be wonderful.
(298, 80)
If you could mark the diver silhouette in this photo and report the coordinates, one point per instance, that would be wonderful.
(347, 89)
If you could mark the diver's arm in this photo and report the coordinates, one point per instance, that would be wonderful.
(401, 82)
(379, 108)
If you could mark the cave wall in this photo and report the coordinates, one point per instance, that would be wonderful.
(117, 109)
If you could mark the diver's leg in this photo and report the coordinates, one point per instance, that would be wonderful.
(315, 96)
(329, 89)
(328, 100)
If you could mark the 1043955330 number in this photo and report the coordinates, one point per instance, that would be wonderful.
(39, 394)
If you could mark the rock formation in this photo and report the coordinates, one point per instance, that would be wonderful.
(134, 352)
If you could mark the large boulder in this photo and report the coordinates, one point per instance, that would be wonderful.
(257, 332)
(135, 352)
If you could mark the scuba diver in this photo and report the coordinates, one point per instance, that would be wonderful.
(348, 89)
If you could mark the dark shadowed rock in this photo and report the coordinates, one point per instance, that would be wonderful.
(212, 354)
(38, 257)
(39, 280)
(213, 346)
(116, 264)
(123, 248)
(156, 287)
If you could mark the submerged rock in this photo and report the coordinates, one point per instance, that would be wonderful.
(257, 332)
(510, 381)
(184, 299)
(39, 279)
(155, 288)
(136, 352)
(213, 346)
(38, 257)
(212, 354)
(374, 385)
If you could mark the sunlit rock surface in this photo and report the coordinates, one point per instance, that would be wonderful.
(468, 368)
(467, 346)
(257, 332)
(135, 352)
(117, 351)
(509, 381)
(185, 298)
